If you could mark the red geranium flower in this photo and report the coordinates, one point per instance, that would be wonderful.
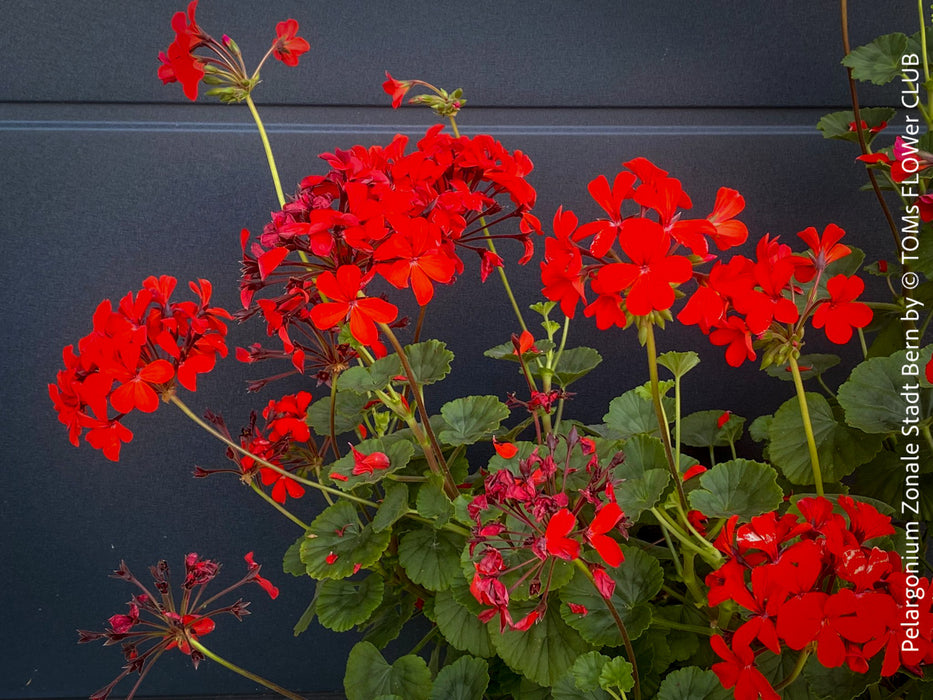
(648, 278)
(555, 536)
(287, 46)
(841, 313)
(343, 291)
(735, 334)
(396, 88)
(738, 670)
(605, 520)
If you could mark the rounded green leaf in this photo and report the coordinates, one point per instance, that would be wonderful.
(429, 361)
(836, 124)
(465, 679)
(399, 452)
(878, 61)
(692, 683)
(460, 626)
(737, 487)
(679, 363)
(431, 558)
(840, 448)
(471, 418)
(701, 429)
(337, 535)
(544, 652)
(638, 579)
(393, 506)
(586, 670)
(344, 604)
(348, 409)
(875, 396)
(617, 673)
(369, 675)
(432, 503)
(376, 377)
(631, 414)
(573, 364)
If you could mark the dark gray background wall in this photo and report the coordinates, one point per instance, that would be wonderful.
(108, 177)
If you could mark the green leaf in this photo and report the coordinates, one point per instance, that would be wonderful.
(810, 366)
(586, 670)
(465, 679)
(692, 683)
(307, 617)
(291, 564)
(839, 683)
(876, 477)
(630, 414)
(471, 418)
(398, 451)
(460, 626)
(760, 429)
(338, 531)
(638, 579)
(369, 675)
(875, 396)
(643, 475)
(836, 125)
(573, 364)
(679, 363)
(544, 652)
(879, 61)
(617, 673)
(430, 361)
(566, 689)
(349, 408)
(344, 604)
(737, 487)
(431, 558)
(840, 448)
(387, 621)
(393, 506)
(373, 378)
(433, 503)
(701, 429)
(506, 351)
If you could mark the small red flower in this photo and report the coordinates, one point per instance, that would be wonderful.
(396, 88)
(606, 518)
(506, 450)
(841, 313)
(343, 290)
(287, 46)
(555, 536)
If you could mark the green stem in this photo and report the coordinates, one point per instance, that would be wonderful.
(619, 624)
(923, 48)
(243, 672)
(675, 557)
(659, 412)
(259, 460)
(795, 671)
(807, 426)
(278, 506)
(925, 431)
(432, 452)
(268, 149)
(671, 625)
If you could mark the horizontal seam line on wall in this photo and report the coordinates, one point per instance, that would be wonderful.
(497, 129)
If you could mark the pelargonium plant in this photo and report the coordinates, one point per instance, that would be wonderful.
(546, 557)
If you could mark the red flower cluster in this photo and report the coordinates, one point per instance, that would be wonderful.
(743, 299)
(813, 579)
(380, 212)
(656, 246)
(284, 430)
(134, 354)
(536, 498)
(179, 64)
(166, 622)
